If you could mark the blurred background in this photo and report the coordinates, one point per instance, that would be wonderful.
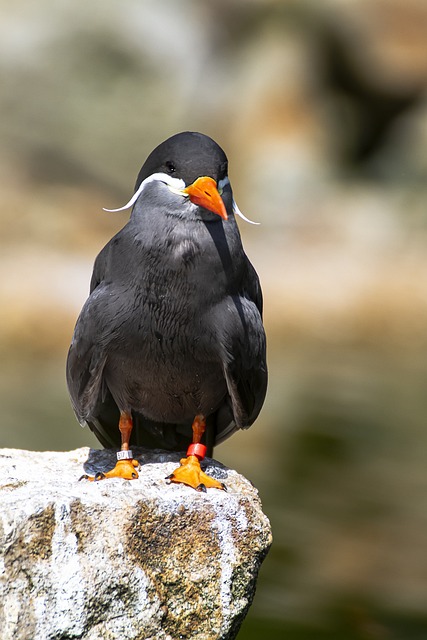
(322, 110)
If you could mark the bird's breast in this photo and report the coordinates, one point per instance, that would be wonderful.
(161, 377)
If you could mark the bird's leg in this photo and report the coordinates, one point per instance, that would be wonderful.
(190, 472)
(125, 465)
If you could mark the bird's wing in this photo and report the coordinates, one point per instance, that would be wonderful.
(85, 365)
(243, 344)
(100, 267)
(251, 287)
(87, 354)
(91, 399)
(245, 367)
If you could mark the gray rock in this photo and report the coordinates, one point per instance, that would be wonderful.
(117, 559)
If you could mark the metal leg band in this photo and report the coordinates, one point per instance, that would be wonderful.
(124, 455)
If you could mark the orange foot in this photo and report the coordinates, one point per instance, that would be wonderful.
(124, 469)
(191, 474)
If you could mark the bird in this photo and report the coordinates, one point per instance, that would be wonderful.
(169, 349)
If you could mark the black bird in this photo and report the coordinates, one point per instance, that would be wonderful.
(169, 348)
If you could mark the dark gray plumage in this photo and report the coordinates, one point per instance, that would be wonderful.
(172, 327)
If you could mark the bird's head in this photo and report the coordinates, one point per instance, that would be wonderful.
(192, 167)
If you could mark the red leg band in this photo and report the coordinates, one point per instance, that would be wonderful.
(198, 450)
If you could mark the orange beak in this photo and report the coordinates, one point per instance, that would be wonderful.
(204, 192)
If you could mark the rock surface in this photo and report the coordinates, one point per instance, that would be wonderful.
(124, 560)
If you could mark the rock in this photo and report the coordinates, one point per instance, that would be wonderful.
(121, 559)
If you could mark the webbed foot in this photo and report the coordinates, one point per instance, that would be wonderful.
(191, 474)
(126, 469)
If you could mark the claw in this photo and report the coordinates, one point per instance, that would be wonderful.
(201, 488)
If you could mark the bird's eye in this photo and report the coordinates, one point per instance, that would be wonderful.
(170, 166)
